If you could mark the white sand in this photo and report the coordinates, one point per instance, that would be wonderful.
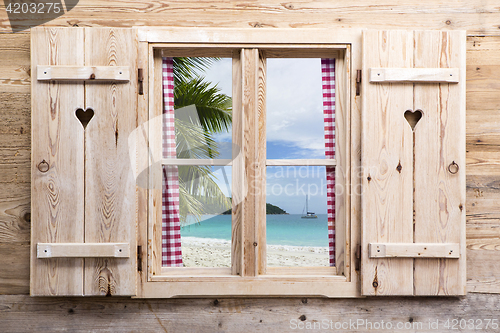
(206, 252)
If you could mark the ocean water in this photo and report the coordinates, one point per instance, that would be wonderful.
(280, 230)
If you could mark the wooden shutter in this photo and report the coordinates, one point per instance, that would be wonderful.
(413, 198)
(83, 190)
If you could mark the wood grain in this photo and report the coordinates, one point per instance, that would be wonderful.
(342, 170)
(142, 171)
(83, 250)
(15, 127)
(483, 50)
(477, 17)
(387, 159)
(249, 144)
(414, 250)
(15, 165)
(260, 168)
(414, 75)
(23, 313)
(239, 187)
(57, 138)
(14, 275)
(439, 140)
(15, 216)
(155, 128)
(87, 73)
(110, 195)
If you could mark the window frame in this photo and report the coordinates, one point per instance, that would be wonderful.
(279, 281)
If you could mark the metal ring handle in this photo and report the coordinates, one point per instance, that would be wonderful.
(43, 166)
(453, 168)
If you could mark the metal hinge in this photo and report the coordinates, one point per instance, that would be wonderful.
(139, 258)
(357, 256)
(140, 78)
(358, 82)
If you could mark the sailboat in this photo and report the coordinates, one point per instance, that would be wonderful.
(309, 215)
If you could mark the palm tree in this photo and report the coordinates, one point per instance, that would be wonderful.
(194, 136)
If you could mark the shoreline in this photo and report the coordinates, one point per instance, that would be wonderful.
(211, 252)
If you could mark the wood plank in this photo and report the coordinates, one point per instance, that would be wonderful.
(17, 73)
(110, 195)
(15, 272)
(428, 75)
(86, 73)
(479, 18)
(483, 195)
(142, 172)
(15, 214)
(241, 36)
(83, 250)
(15, 63)
(261, 14)
(482, 135)
(23, 313)
(483, 77)
(483, 163)
(238, 183)
(15, 165)
(387, 160)
(439, 196)
(155, 129)
(57, 138)
(414, 250)
(308, 162)
(342, 171)
(483, 264)
(15, 50)
(486, 99)
(15, 127)
(249, 144)
(260, 165)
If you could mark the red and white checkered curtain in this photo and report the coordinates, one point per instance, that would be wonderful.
(171, 225)
(328, 78)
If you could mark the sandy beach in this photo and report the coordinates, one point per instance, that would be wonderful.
(206, 252)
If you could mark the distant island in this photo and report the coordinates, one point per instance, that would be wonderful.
(270, 210)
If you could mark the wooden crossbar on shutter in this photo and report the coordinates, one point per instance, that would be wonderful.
(83, 190)
(413, 158)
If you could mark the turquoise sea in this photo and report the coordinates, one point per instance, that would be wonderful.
(281, 229)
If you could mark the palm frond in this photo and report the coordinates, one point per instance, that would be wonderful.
(193, 142)
(201, 194)
(214, 108)
(187, 68)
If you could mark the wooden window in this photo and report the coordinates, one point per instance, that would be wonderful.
(400, 156)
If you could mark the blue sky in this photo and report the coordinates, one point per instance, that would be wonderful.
(294, 130)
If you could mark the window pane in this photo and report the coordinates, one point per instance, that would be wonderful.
(299, 237)
(204, 215)
(295, 126)
(202, 103)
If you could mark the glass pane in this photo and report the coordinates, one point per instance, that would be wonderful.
(197, 120)
(297, 228)
(295, 127)
(203, 107)
(203, 209)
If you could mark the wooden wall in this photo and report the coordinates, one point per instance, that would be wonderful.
(481, 19)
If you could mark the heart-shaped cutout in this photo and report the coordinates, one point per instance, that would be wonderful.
(84, 116)
(412, 117)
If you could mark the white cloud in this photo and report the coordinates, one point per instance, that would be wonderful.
(294, 102)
